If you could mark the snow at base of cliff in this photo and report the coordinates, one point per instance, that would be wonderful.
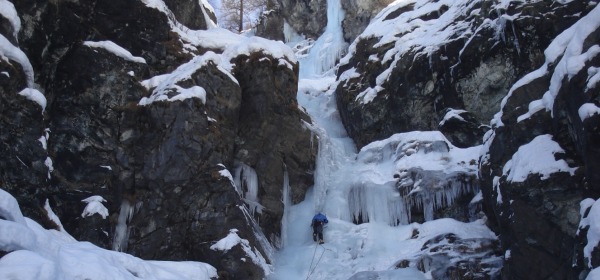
(36, 253)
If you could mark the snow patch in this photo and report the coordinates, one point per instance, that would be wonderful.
(233, 239)
(587, 110)
(165, 86)
(536, 157)
(94, 206)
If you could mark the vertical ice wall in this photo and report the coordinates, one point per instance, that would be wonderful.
(329, 47)
(429, 174)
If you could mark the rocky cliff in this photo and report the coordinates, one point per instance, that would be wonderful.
(122, 99)
(451, 66)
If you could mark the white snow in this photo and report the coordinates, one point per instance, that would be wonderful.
(536, 157)
(94, 206)
(166, 84)
(233, 239)
(48, 163)
(593, 235)
(115, 49)
(106, 167)
(7, 10)
(36, 253)
(248, 45)
(587, 110)
(35, 96)
(567, 53)
(452, 114)
(346, 182)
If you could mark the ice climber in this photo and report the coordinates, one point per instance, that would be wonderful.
(317, 224)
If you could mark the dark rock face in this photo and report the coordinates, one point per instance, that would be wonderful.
(162, 167)
(307, 17)
(22, 168)
(471, 70)
(462, 128)
(537, 216)
(270, 25)
(358, 14)
(190, 14)
(480, 258)
(269, 139)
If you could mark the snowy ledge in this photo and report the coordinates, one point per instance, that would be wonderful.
(165, 85)
(115, 49)
(35, 96)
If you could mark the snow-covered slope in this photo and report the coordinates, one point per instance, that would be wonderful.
(38, 253)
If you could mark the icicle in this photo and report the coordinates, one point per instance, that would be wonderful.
(428, 190)
(377, 203)
(121, 230)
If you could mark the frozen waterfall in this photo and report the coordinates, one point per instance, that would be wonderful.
(246, 183)
(326, 51)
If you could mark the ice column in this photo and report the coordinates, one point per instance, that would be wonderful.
(246, 183)
(121, 230)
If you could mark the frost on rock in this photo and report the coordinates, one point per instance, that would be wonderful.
(94, 206)
(35, 253)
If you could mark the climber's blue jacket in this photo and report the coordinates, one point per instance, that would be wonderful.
(320, 218)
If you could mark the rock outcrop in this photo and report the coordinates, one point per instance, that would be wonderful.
(541, 160)
(119, 99)
(477, 57)
(306, 17)
(358, 14)
(466, 57)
